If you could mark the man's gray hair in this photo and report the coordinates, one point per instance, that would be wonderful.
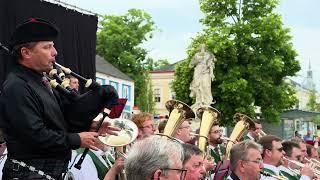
(150, 154)
(189, 150)
(240, 151)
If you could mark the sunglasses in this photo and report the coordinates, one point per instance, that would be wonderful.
(279, 149)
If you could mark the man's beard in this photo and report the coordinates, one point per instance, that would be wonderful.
(217, 141)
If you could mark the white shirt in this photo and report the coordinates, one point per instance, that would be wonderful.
(2, 161)
(88, 169)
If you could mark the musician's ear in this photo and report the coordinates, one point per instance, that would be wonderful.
(178, 131)
(268, 152)
(241, 165)
(25, 52)
(157, 174)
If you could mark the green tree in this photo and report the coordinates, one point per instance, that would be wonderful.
(146, 99)
(312, 104)
(118, 42)
(160, 63)
(254, 54)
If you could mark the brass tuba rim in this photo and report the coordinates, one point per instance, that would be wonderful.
(178, 112)
(172, 104)
(239, 116)
(128, 128)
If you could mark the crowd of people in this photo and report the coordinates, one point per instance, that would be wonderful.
(42, 142)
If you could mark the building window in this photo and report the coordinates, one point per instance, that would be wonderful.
(115, 85)
(172, 94)
(100, 81)
(126, 93)
(156, 94)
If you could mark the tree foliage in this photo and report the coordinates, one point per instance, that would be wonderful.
(118, 42)
(312, 104)
(254, 54)
(160, 63)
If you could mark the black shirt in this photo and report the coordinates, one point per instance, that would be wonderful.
(32, 118)
(234, 176)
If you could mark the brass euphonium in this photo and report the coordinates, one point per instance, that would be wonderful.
(178, 112)
(243, 123)
(127, 134)
(208, 116)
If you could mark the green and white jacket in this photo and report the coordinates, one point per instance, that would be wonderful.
(291, 175)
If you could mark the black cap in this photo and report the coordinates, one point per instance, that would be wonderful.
(34, 30)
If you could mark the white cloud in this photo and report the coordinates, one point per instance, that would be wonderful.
(169, 46)
(306, 42)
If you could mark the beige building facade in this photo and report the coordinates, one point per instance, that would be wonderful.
(162, 90)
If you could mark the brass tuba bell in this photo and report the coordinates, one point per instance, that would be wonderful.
(243, 123)
(127, 134)
(178, 112)
(208, 116)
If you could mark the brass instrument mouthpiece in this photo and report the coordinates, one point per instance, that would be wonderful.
(227, 139)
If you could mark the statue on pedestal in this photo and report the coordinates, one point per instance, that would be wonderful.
(203, 63)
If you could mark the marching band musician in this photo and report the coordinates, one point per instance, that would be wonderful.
(312, 152)
(155, 158)
(193, 162)
(253, 133)
(303, 148)
(293, 152)
(183, 133)
(216, 149)
(145, 124)
(104, 159)
(74, 82)
(36, 131)
(272, 155)
(245, 161)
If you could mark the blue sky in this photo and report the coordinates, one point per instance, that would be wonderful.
(302, 17)
(178, 21)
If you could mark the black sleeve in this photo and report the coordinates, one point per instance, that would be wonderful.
(25, 110)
